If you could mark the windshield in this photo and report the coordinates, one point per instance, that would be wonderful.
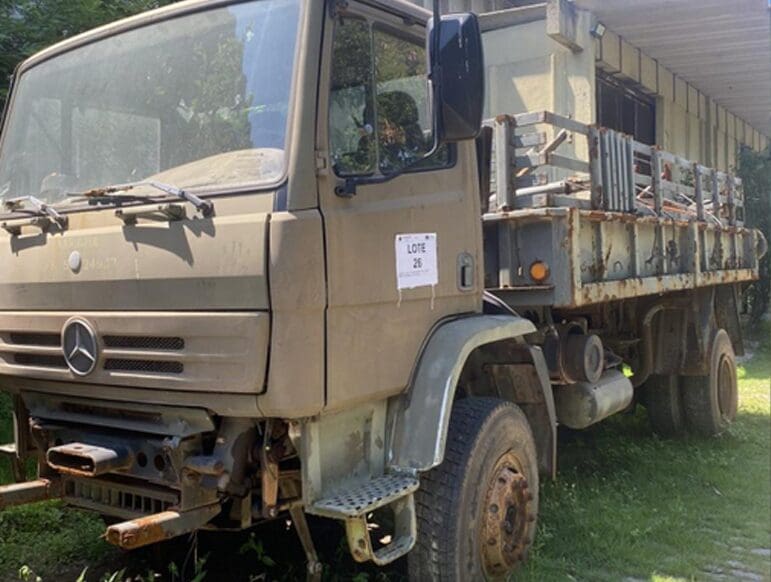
(198, 101)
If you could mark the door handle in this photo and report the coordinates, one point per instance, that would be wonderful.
(465, 272)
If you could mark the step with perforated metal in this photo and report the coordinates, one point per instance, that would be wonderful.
(366, 497)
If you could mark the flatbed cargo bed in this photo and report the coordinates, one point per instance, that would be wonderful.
(632, 221)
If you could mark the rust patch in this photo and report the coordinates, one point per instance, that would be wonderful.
(143, 531)
(30, 492)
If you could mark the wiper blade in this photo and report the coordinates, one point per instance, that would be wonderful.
(39, 208)
(205, 207)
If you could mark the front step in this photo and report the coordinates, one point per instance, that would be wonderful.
(355, 504)
(365, 498)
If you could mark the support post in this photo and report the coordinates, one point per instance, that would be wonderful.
(630, 185)
(658, 206)
(502, 138)
(658, 188)
(595, 167)
(716, 195)
(699, 191)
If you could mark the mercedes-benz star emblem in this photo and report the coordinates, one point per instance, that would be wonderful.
(80, 347)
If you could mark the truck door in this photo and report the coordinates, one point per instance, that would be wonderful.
(374, 118)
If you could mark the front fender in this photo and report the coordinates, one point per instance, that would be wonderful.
(423, 414)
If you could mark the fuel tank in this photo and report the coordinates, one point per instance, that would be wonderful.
(583, 404)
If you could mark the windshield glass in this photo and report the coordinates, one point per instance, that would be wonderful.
(198, 101)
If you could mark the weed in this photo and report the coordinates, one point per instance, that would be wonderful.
(255, 545)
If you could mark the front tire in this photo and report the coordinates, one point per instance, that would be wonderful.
(477, 511)
(711, 401)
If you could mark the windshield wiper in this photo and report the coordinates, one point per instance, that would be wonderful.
(39, 209)
(205, 207)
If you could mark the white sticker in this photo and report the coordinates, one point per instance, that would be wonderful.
(416, 261)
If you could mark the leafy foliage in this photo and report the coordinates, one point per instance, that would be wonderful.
(755, 172)
(27, 26)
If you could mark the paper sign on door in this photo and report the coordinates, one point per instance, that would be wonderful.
(416, 264)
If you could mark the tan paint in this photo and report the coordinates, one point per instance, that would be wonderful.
(223, 352)
(189, 264)
(373, 337)
(297, 309)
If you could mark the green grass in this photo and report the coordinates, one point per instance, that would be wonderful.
(53, 540)
(626, 505)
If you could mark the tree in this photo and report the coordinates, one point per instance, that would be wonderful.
(755, 172)
(27, 26)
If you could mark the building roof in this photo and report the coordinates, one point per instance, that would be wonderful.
(723, 48)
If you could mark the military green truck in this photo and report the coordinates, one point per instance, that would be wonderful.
(268, 257)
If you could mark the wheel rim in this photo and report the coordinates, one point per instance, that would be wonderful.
(507, 518)
(725, 386)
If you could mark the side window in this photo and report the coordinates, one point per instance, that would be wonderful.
(351, 113)
(401, 88)
(379, 117)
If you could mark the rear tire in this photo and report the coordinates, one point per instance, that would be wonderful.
(477, 511)
(710, 402)
(663, 399)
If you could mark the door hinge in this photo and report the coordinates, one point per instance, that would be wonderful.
(321, 162)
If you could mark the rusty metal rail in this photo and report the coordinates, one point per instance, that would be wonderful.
(619, 174)
(595, 256)
(157, 527)
(30, 492)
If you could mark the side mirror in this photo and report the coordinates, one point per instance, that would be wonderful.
(458, 77)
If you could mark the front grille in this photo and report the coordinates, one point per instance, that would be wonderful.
(35, 339)
(40, 361)
(174, 351)
(125, 363)
(116, 497)
(157, 366)
(138, 342)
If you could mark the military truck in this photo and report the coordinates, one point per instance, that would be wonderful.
(267, 257)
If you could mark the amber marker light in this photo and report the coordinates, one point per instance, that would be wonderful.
(539, 271)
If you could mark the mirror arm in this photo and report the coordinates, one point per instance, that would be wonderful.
(436, 72)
